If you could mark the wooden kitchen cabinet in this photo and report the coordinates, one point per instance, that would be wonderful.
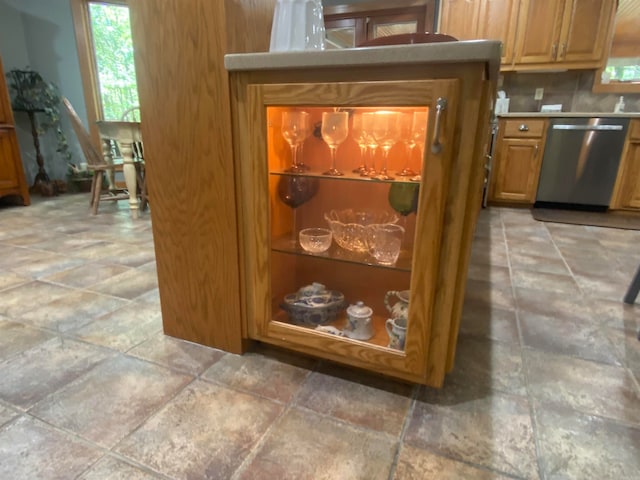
(440, 213)
(517, 160)
(482, 19)
(626, 193)
(563, 33)
(12, 181)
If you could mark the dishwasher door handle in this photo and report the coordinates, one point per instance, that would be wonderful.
(588, 127)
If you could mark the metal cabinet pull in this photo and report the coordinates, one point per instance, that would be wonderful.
(535, 151)
(441, 105)
(523, 127)
(563, 50)
(554, 51)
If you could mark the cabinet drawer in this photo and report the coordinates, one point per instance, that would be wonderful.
(524, 128)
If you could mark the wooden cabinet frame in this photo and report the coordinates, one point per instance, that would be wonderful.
(449, 203)
(253, 177)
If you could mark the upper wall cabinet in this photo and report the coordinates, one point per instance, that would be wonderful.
(572, 33)
(488, 19)
(535, 34)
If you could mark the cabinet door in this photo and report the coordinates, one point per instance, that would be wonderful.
(584, 31)
(517, 169)
(627, 188)
(278, 202)
(633, 179)
(497, 20)
(459, 18)
(8, 158)
(539, 25)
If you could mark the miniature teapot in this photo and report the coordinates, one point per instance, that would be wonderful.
(314, 295)
(359, 326)
(401, 308)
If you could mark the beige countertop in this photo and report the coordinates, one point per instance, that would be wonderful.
(445, 52)
(570, 114)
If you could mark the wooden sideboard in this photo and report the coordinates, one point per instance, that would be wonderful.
(12, 181)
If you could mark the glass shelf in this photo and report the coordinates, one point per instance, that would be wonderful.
(351, 177)
(337, 253)
(380, 336)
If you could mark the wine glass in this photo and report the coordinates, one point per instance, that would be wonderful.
(403, 198)
(335, 128)
(368, 123)
(386, 131)
(406, 123)
(300, 152)
(295, 190)
(295, 128)
(359, 134)
(418, 134)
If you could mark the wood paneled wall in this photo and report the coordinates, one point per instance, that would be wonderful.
(186, 125)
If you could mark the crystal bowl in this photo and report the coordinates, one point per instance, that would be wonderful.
(313, 305)
(349, 226)
(315, 240)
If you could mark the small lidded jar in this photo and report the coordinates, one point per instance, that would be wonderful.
(359, 324)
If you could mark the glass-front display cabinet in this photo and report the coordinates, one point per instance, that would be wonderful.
(344, 195)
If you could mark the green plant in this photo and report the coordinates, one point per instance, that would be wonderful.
(30, 92)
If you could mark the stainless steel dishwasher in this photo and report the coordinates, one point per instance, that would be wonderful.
(580, 162)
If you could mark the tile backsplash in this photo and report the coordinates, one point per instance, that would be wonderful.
(571, 88)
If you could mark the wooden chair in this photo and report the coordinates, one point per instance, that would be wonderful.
(95, 163)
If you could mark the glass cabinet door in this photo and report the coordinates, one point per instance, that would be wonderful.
(343, 187)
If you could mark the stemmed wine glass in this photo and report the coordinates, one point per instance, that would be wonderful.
(359, 134)
(368, 123)
(300, 153)
(335, 128)
(386, 131)
(418, 134)
(406, 123)
(295, 128)
(403, 198)
(294, 190)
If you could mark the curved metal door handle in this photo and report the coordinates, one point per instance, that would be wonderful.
(441, 105)
(535, 153)
(523, 128)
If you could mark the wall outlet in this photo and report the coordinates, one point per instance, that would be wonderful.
(539, 94)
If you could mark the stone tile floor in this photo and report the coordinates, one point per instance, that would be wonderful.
(545, 384)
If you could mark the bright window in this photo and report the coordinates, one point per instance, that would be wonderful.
(113, 50)
(623, 69)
